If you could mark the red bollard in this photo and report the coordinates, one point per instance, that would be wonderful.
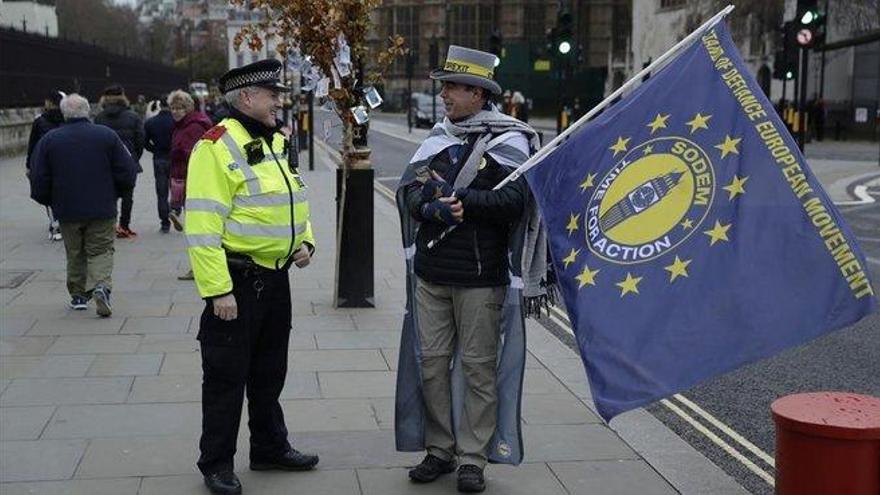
(827, 443)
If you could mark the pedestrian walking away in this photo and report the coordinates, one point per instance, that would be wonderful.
(189, 125)
(157, 130)
(464, 298)
(48, 120)
(79, 169)
(247, 223)
(117, 115)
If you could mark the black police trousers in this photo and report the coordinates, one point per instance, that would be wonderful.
(248, 354)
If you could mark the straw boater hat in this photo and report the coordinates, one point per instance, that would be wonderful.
(468, 66)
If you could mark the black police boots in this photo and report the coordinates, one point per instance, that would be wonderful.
(292, 460)
(223, 483)
(430, 469)
(470, 479)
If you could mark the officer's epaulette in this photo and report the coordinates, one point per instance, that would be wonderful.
(214, 133)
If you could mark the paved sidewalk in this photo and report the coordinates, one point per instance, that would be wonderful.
(111, 406)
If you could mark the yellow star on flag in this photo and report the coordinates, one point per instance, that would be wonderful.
(736, 186)
(620, 145)
(572, 256)
(728, 146)
(659, 122)
(678, 268)
(587, 183)
(687, 224)
(648, 150)
(717, 233)
(572, 223)
(586, 277)
(629, 284)
(699, 122)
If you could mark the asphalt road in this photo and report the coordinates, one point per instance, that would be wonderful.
(846, 360)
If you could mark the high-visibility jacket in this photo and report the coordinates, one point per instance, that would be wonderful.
(258, 209)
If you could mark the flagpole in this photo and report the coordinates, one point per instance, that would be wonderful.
(552, 145)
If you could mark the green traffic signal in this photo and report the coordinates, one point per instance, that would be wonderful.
(564, 47)
(789, 75)
(809, 17)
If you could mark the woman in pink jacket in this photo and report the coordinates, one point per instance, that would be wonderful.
(189, 125)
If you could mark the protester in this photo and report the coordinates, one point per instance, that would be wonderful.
(247, 222)
(189, 125)
(48, 120)
(462, 285)
(158, 131)
(79, 170)
(117, 115)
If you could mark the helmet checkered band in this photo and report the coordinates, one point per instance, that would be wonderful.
(252, 78)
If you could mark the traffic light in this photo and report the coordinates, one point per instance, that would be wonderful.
(564, 33)
(810, 24)
(785, 62)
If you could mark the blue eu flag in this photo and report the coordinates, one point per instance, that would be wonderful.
(689, 235)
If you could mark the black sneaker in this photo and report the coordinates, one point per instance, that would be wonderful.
(223, 483)
(102, 301)
(430, 469)
(165, 229)
(176, 221)
(79, 303)
(470, 479)
(292, 460)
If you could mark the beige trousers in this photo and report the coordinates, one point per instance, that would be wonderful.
(471, 319)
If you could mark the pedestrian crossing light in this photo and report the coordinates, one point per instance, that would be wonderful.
(564, 47)
(789, 75)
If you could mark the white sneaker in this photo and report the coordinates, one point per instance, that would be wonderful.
(56, 236)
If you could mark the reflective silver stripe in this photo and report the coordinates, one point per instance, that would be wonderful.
(194, 204)
(253, 183)
(264, 230)
(208, 240)
(269, 199)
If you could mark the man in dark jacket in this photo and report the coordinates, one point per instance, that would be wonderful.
(48, 120)
(79, 170)
(117, 115)
(158, 131)
(461, 281)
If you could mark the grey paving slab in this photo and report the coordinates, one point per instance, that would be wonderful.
(180, 363)
(124, 420)
(15, 326)
(383, 409)
(571, 373)
(139, 456)
(23, 423)
(301, 385)
(140, 306)
(326, 323)
(525, 479)
(186, 308)
(25, 346)
(617, 477)
(355, 449)
(336, 384)
(58, 391)
(541, 381)
(103, 344)
(329, 415)
(81, 323)
(556, 409)
(378, 321)
(357, 340)
(337, 360)
(302, 341)
(318, 482)
(123, 486)
(545, 443)
(3, 384)
(168, 343)
(391, 356)
(45, 366)
(166, 388)
(126, 364)
(166, 324)
(39, 460)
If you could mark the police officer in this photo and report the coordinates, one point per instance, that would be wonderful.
(247, 222)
